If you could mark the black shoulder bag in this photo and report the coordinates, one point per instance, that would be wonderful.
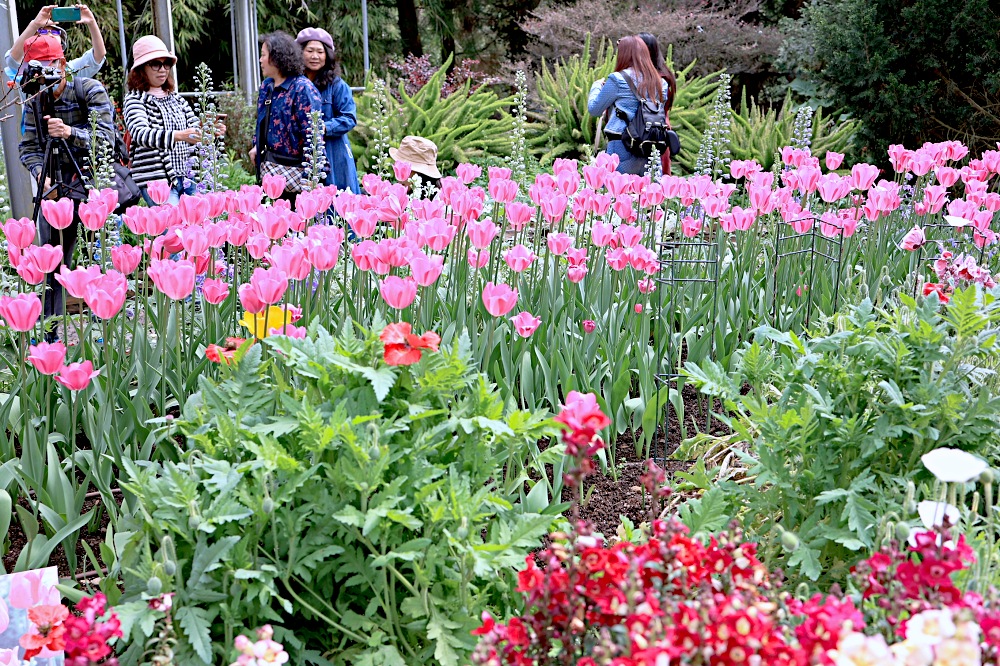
(128, 192)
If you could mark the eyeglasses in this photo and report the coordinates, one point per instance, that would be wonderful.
(50, 31)
(159, 64)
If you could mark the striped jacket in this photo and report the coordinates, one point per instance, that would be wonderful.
(151, 123)
(31, 150)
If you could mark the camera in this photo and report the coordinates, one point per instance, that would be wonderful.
(36, 77)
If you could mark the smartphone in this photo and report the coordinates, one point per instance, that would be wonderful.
(66, 14)
(221, 116)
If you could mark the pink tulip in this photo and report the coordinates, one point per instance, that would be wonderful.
(398, 292)
(77, 376)
(834, 160)
(914, 239)
(576, 274)
(481, 233)
(47, 258)
(322, 256)
(106, 295)
(478, 259)
(29, 272)
(559, 243)
(638, 308)
(519, 258)
(690, 226)
(616, 258)
(863, 176)
(47, 358)
(126, 258)
(715, 206)
(307, 204)
(291, 260)
(270, 284)
(628, 236)
(737, 219)
(503, 191)
(76, 281)
(499, 299)
(946, 176)
(402, 171)
(21, 312)
(194, 241)
(215, 291)
(525, 324)
(273, 186)
(468, 172)
(290, 331)
(193, 210)
(602, 234)
(589, 326)
(20, 233)
(519, 214)
(158, 191)
(646, 286)
(175, 279)
(58, 213)
(249, 299)
(93, 214)
(426, 270)
(499, 173)
(554, 207)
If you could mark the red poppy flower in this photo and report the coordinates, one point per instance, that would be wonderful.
(47, 631)
(402, 347)
(936, 288)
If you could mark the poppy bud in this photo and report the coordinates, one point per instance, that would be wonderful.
(154, 586)
(169, 567)
(902, 532)
(986, 478)
(789, 541)
(267, 506)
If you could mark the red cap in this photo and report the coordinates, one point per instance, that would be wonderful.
(43, 47)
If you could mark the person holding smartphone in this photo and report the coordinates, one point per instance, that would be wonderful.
(86, 66)
(163, 127)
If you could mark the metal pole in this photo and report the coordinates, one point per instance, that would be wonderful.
(121, 37)
(163, 26)
(364, 29)
(232, 45)
(18, 178)
(245, 44)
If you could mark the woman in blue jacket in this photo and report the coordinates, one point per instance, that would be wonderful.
(339, 111)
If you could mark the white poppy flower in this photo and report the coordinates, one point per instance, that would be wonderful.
(953, 465)
(932, 514)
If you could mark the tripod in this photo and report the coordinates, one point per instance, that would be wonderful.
(56, 161)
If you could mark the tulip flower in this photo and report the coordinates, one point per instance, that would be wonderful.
(576, 274)
(481, 233)
(833, 160)
(261, 323)
(269, 284)
(47, 258)
(175, 279)
(20, 233)
(93, 214)
(194, 241)
(77, 376)
(519, 258)
(499, 299)
(913, 240)
(21, 312)
(289, 331)
(215, 291)
(258, 245)
(525, 324)
(402, 171)
(274, 186)
(398, 292)
(29, 272)
(106, 295)
(126, 258)
(75, 281)
(478, 259)
(690, 226)
(519, 214)
(322, 256)
(47, 358)
(290, 259)
(158, 191)
(467, 173)
(58, 213)
(426, 270)
(503, 191)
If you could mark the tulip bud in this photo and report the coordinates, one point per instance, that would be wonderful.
(267, 506)
(789, 541)
(154, 586)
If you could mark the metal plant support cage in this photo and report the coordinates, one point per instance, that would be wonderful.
(810, 247)
(684, 264)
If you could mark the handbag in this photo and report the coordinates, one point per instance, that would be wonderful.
(275, 164)
(128, 192)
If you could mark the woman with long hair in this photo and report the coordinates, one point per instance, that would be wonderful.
(284, 104)
(340, 114)
(161, 123)
(656, 55)
(615, 92)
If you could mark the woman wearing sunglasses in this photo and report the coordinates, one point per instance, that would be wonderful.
(161, 123)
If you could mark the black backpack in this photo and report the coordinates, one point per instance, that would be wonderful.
(648, 127)
(128, 192)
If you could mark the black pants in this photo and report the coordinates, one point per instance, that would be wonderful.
(47, 235)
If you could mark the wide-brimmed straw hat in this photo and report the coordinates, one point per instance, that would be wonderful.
(420, 153)
(150, 48)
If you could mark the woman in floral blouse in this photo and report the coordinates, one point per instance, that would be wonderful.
(291, 97)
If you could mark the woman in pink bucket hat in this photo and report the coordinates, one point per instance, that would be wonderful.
(163, 127)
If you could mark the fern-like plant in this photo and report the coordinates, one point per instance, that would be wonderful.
(759, 135)
(465, 124)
